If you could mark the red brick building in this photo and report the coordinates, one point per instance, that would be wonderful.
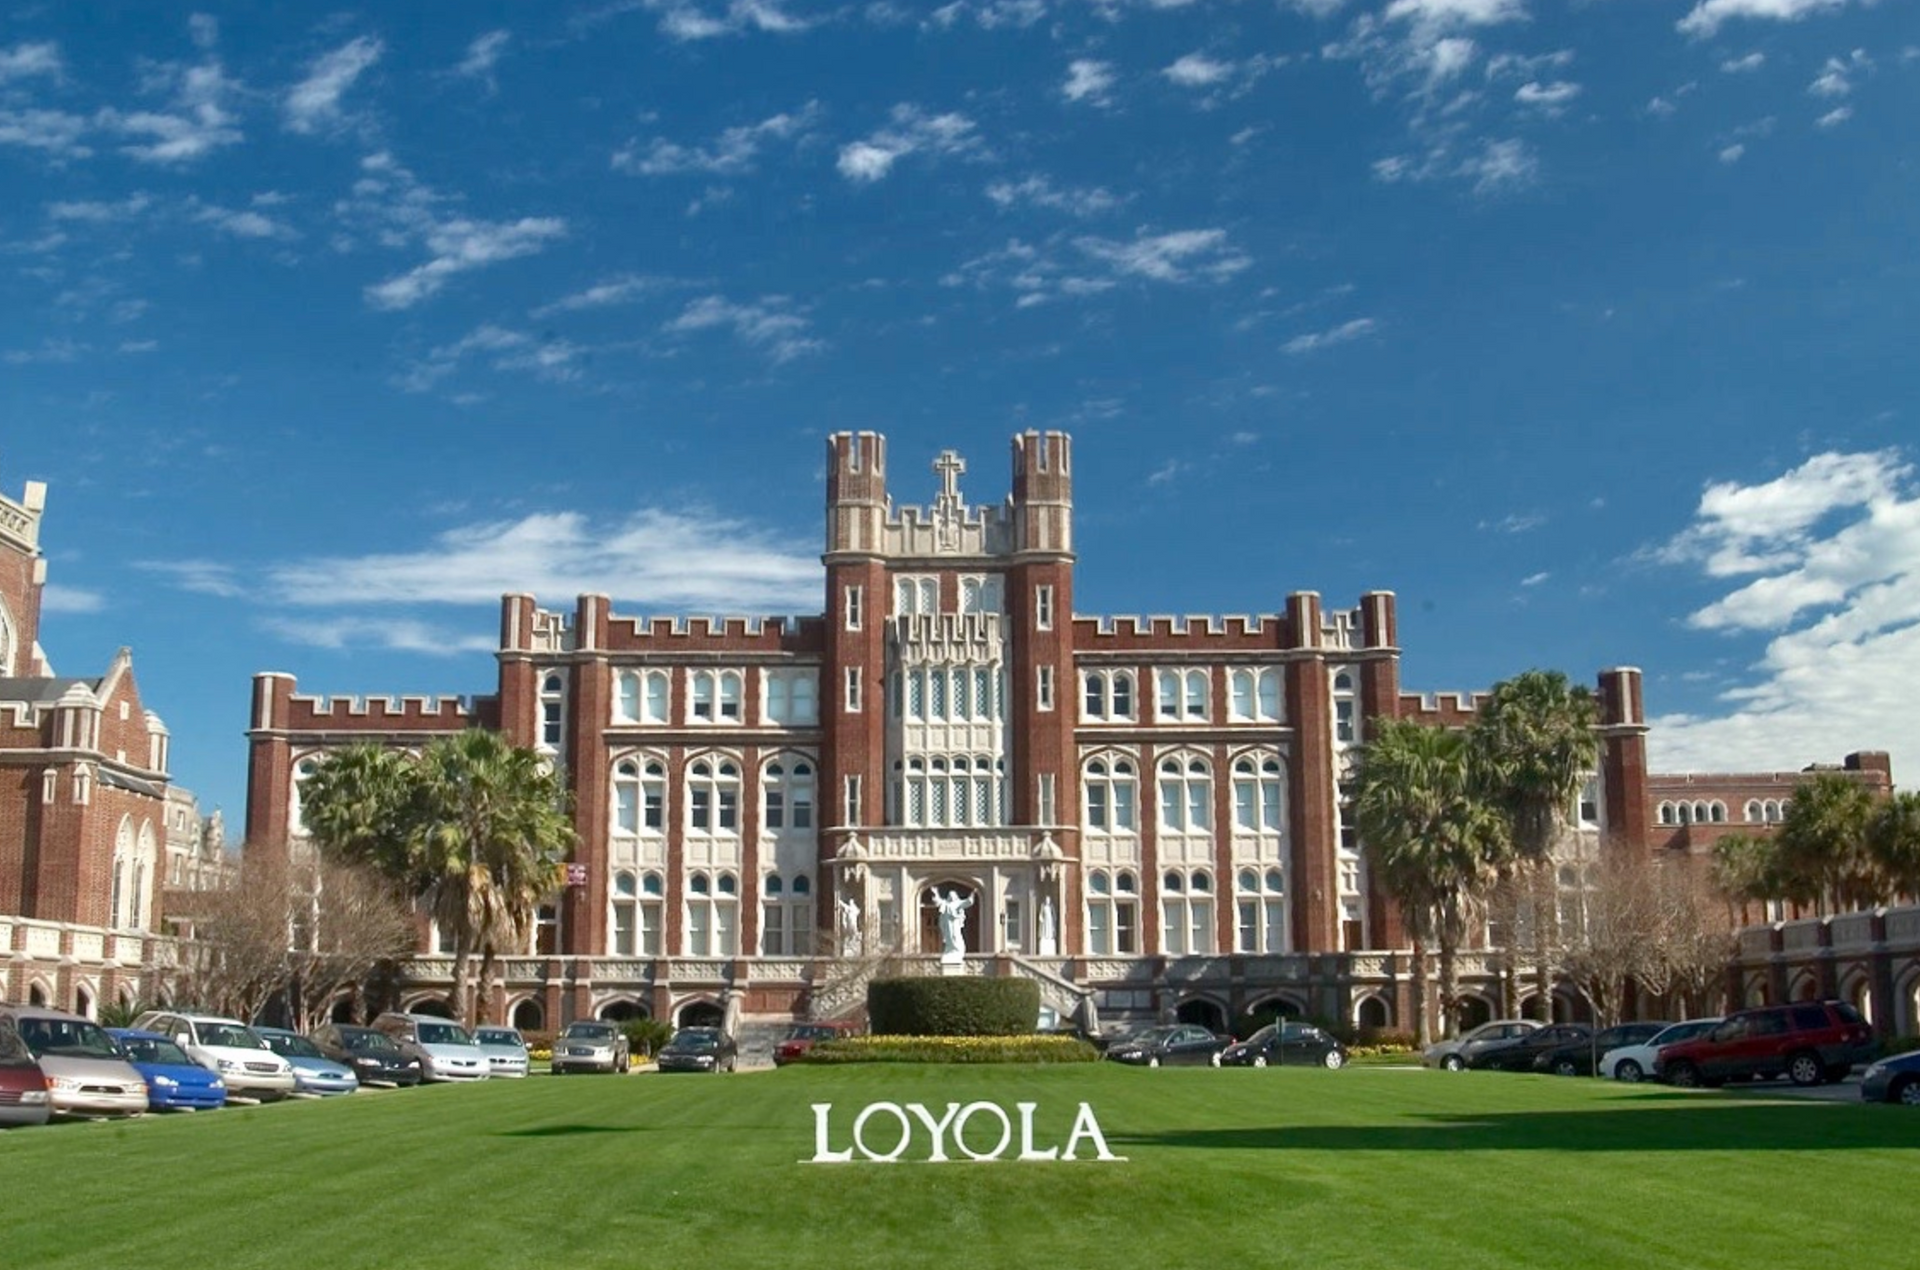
(1146, 813)
(84, 806)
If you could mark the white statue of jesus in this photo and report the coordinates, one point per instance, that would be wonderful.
(849, 926)
(953, 909)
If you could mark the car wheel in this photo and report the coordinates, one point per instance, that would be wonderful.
(1334, 1060)
(1683, 1076)
(1805, 1069)
(1454, 1063)
(1153, 1060)
(1566, 1067)
(1907, 1093)
(623, 1065)
(1259, 1060)
(1629, 1071)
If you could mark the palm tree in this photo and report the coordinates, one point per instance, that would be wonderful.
(1535, 745)
(491, 828)
(1823, 844)
(1893, 841)
(1746, 869)
(1430, 837)
(354, 806)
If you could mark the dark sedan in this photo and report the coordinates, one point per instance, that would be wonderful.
(1519, 1056)
(374, 1056)
(1576, 1058)
(1171, 1045)
(1895, 1079)
(699, 1049)
(1291, 1045)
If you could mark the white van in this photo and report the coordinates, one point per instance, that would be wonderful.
(446, 1050)
(228, 1046)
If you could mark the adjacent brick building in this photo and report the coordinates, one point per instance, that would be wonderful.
(1149, 814)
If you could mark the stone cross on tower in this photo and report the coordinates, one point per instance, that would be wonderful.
(949, 508)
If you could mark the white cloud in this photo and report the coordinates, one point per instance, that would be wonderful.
(1827, 563)
(911, 131)
(47, 351)
(23, 60)
(667, 560)
(1535, 579)
(1039, 191)
(197, 122)
(1345, 333)
(202, 577)
(688, 20)
(1546, 96)
(731, 154)
(483, 55)
(1732, 154)
(555, 360)
(243, 222)
(990, 15)
(98, 213)
(1706, 16)
(1836, 75)
(403, 212)
(314, 103)
(1197, 70)
(55, 131)
(402, 635)
(1835, 117)
(1741, 65)
(1456, 13)
(768, 323)
(65, 599)
(619, 289)
(1089, 81)
(1181, 256)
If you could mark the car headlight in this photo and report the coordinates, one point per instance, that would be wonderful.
(364, 1061)
(65, 1084)
(228, 1065)
(165, 1082)
(218, 1083)
(413, 1064)
(32, 1097)
(1873, 1071)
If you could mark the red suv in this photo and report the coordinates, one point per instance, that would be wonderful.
(801, 1036)
(1811, 1042)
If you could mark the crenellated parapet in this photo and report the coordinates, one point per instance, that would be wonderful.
(674, 636)
(1035, 520)
(1302, 627)
(279, 709)
(1441, 709)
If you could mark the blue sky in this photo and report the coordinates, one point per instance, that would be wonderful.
(1586, 326)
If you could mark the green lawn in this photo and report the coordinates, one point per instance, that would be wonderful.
(1415, 1169)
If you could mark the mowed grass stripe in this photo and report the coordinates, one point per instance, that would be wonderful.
(1329, 1169)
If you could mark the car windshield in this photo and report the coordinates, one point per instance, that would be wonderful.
(701, 1040)
(152, 1049)
(497, 1036)
(1262, 1037)
(589, 1032)
(1156, 1036)
(812, 1032)
(67, 1038)
(1681, 1031)
(293, 1046)
(443, 1034)
(369, 1042)
(230, 1036)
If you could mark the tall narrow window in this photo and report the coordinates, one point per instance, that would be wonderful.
(1043, 607)
(1043, 687)
(853, 689)
(855, 601)
(1045, 793)
(552, 711)
(850, 801)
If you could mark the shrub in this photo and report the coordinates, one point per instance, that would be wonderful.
(646, 1036)
(960, 1006)
(952, 1049)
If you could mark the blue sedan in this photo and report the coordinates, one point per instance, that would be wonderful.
(174, 1081)
(313, 1072)
(1895, 1079)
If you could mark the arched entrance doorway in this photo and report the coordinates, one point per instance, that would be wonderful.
(970, 923)
(621, 1011)
(435, 1006)
(702, 1014)
(1202, 1013)
(529, 1017)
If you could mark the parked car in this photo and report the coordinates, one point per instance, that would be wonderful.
(227, 1046)
(85, 1074)
(374, 1056)
(1633, 1063)
(1459, 1053)
(1169, 1045)
(444, 1049)
(1285, 1045)
(1895, 1079)
(1519, 1056)
(698, 1049)
(590, 1045)
(313, 1072)
(801, 1037)
(174, 1081)
(1579, 1058)
(506, 1051)
(1809, 1043)
(23, 1086)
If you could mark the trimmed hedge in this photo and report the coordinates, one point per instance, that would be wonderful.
(957, 1006)
(952, 1049)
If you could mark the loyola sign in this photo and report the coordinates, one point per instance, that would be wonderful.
(885, 1132)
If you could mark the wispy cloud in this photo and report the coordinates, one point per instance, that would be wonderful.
(1706, 17)
(910, 130)
(1345, 333)
(1181, 256)
(769, 324)
(57, 132)
(1742, 65)
(313, 105)
(199, 116)
(1040, 191)
(1514, 523)
(1046, 272)
(668, 560)
(555, 360)
(483, 55)
(1836, 74)
(202, 577)
(25, 60)
(65, 599)
(1825, 561)
(403, 212)
(693, 20)
(397, 635)
(619, 289)
(1089, 81)
(732, 153)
